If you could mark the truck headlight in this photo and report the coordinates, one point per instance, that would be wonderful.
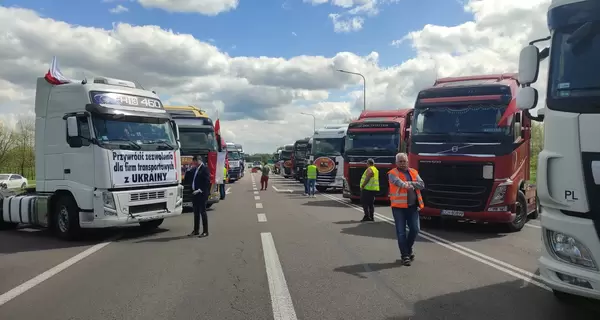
(500, 192)
(108, 200)
(179, 192)
(568, 249)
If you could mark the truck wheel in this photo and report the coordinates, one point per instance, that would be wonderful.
(152, 224)
(521, 211)
(66, 218)
(538, 209)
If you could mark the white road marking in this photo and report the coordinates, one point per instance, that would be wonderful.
(281, 300)
(256, 192)
(255, 188)
(24, 287)
(228, 190)
(485, 259)
(259, 206)
(256, 197)
(278, 190)
(262, 217)
(531, 225)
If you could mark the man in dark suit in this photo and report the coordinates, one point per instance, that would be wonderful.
(199, 176)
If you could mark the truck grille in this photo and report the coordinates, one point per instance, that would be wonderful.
(149, 195)
(356, 174)
(455, 185)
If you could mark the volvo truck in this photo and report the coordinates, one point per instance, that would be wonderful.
(568, 172)
(472, 145)
(285, 160)
(235, 160)
(379, 135)
(197, 138)
(327, 154)
(106, 155)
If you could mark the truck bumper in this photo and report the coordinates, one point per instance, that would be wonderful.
(563, 276)
(484, 216)
(133, 207)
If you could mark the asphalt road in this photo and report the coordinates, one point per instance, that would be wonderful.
(276, 254)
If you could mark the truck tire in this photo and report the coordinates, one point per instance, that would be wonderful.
(65, 220)
(152, 224)
(521, 211)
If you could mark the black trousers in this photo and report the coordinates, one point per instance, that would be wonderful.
(199, 204)
(367, 199)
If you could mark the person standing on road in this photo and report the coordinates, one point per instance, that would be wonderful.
(311, 179)
(369, 186)
(405, 187)
(264, 177)
(200, 192)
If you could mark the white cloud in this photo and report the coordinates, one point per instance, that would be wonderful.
(346, 24)
(205, 7)
(352, 17)
(118, 9)
(260, 98)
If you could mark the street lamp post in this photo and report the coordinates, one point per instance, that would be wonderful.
(314, 120)
(364, 86)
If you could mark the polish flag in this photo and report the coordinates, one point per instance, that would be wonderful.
(54, 75)
(218, 127)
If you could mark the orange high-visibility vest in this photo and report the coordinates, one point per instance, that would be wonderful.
(399, 196)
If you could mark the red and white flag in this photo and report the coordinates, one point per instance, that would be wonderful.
(54, 75)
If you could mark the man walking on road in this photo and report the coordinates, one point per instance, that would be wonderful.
(264, 178)
(369, 186)
(222, 187)
(200, 177)
(405, 187)
(311, 179)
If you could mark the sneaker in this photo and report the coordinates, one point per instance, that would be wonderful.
(406, 261)
(412, 257)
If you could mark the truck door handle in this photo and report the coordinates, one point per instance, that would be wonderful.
(67, 171)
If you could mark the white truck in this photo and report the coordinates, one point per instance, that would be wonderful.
(327, 153)
(106, 155)
(568, 172)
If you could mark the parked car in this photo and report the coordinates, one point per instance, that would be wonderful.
(12, 181)
(256, 164)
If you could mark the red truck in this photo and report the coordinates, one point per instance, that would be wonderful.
(471, 146)
(379, 135)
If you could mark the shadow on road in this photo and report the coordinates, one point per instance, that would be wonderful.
(324, 203)
(26, 240)
(378, 229)
(509, 300)
(358, 270)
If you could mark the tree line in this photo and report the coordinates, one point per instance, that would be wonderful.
(17, 154)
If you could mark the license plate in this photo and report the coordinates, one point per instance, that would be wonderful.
(155, 217)
(453, 213)
(187, 204)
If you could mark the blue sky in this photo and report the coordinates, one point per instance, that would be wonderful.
(266, 27)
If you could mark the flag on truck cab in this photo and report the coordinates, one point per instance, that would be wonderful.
(218, 127)
(54, 75)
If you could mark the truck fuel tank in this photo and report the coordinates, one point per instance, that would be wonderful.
(24, 209)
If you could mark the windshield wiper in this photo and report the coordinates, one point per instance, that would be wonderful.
(129, 142)
(166, 144)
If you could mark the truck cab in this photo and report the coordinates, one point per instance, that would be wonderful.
(568, 172)
(235, 162)
(240, 150)
(106, 155)
(327, 154)
(197, 138)
(471, 146)
(299, 157)
(379, 135)
(285, 160)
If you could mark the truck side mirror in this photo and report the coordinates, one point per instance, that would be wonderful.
(175, 129)
(72, 127)
(527, 98)
(529, 65)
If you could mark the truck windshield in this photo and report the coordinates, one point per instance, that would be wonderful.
(469, 119)
(117, 134)
(328, 147)
(233, 155)
(194, 140)
(300, 153)
(286, 155)
(372, 141)
(574, 61)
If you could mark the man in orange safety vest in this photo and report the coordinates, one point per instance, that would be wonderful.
(405, 187)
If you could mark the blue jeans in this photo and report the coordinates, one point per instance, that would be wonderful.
(306, 186)
(406, 217)
(310, 186)
(222, 191)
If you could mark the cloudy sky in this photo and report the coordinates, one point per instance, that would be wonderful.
(261, 63)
